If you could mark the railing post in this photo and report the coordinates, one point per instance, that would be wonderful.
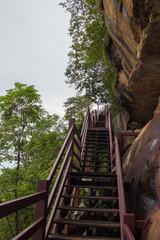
(41, 209)
(92, 122)
(71, 123)
(129, 219)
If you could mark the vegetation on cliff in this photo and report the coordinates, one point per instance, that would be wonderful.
(88, 69)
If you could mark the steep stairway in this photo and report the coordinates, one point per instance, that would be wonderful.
(88, 206)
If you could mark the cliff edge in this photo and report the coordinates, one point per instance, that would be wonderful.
(134, 48)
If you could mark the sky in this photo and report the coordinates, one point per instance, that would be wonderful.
(34, 43)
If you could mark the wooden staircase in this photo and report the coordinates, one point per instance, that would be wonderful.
(88, 206)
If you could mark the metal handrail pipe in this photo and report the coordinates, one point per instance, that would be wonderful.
(86, 116)
(15, 205)
(77, 144)
(77, 132)
(28, 232)
(54, 168)
(49, 223)
(58, 178)
(121, 196)
(127, 233)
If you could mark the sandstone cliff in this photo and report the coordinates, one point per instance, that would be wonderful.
(134, 48)
(141, 168)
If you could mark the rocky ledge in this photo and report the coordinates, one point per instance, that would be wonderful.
(134, 48)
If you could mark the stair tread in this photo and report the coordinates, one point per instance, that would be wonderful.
(94, 174)
(87, 176)
(110, 210)
(79, 237)
(90, 197)
(88, 186)
(95, 161)
(91, 223)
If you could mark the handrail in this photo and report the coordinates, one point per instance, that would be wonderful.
(85, 129)
(20, 203)
(43, 203)
(54, 168)
(126, 233)
(10, 207)
(121, 197)
(53, 191)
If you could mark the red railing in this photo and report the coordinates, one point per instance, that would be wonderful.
(86, 123)
(46, 203)
(128, 223)
(18, 204)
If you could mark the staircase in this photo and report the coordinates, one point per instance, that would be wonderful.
(88, 206)
(83, 195)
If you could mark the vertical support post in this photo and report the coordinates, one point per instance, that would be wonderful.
(41, 209)
(92, 123)
(129, 219)
(71, 123)
(79, 154)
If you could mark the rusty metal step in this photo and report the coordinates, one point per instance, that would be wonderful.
(88, 223)
(98, 210)
(78, 237)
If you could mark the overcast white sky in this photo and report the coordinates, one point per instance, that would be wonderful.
(34, 43)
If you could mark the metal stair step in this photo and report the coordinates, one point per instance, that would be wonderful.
(85, 175)
(95, 161)
(99, 210)
(78, 237)
(94, 174)
(93, 187)
(90, 197)
(88, 223)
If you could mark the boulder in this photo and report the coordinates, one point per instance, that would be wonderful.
(141, 169)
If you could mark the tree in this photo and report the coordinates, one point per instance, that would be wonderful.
(30, 140)
(74, 105)
(89, 69)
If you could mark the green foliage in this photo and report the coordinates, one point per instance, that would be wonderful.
(74, 105)
(30, 140)
(88, 70)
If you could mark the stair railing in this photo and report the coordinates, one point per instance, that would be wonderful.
(46, 205)
(127, 221)
(86, 124)
(13, 206)
(66, 165)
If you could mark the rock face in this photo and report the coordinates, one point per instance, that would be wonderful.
(134, 48)
(141, 168)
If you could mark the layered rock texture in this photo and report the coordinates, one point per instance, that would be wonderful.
(141, 168)
(134, 48)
